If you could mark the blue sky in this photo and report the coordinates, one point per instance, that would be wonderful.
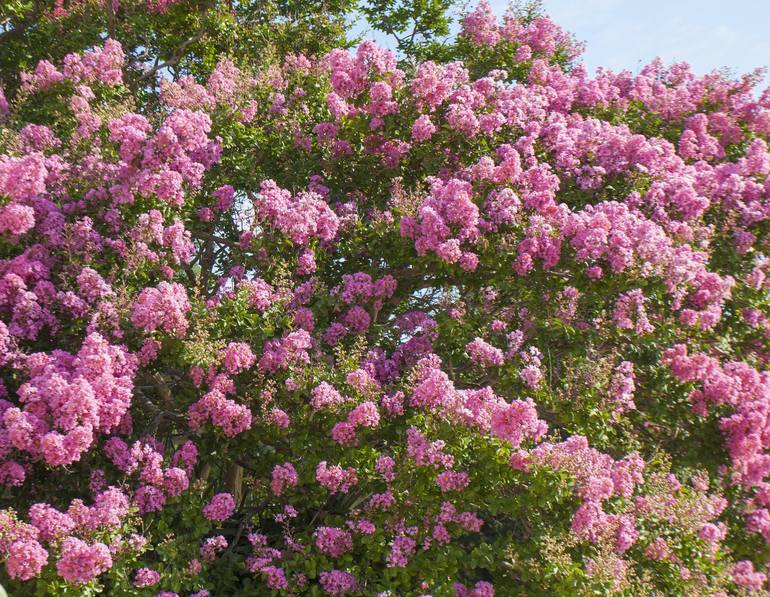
(706, 33)
(623, 34)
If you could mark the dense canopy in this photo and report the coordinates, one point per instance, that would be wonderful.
(288, 313)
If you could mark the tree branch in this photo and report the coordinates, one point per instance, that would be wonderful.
(176, 57)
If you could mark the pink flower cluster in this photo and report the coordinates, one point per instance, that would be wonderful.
(81, 562)
(480, 589)
(332, 541)
(367, 297)
(26, 559)
(230, 416)
(746, 390)
(622, 389)
(100, 64)
(281, 353)
(483, 353)
(67, 401)
(516, 422)
(162, 308)
(146, 577)
(363, 415)
(301, 218)
(284, 476)
(213, 546)
(220, 508)
(144, 460)
(447, 219)
(335, 478)
(325, 395)
(338, 583)
(237, 357)
(597, 479)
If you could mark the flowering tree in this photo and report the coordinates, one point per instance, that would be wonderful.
(334, 324)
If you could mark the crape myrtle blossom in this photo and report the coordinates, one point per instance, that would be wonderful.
(220, 507)
(483, 325)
